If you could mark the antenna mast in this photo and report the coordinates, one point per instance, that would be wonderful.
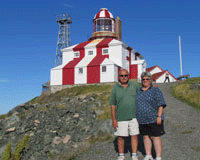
(64, 21)
(181, 67)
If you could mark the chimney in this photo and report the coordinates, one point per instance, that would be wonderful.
(118, 28)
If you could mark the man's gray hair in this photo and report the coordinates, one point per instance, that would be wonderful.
(146, 74)
(123, 69)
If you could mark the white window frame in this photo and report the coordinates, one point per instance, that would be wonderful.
(103, 69)
(80, 70)
(76, 54)
(105, 49)
(90, 52)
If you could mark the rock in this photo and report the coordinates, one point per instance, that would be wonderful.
(81, 97)
(11, 130)
(57, 140)
(37, 121)
(75, 145)
(2, 149)
(51, 128)
(105, 128)
(66, 139)
(11, 121)
(76, 115)
(47, 139)
(98, 112)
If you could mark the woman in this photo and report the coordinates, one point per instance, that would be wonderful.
(149, 113)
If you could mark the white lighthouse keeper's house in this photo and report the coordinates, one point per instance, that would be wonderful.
(98, 59)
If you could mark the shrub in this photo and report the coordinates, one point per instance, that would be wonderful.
(7, 154)
(20, 147)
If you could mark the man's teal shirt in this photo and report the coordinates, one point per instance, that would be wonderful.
(124, 101)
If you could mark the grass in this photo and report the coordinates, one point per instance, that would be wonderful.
(183, 92)
(196, 148)
(3, 116)
(101, 138)
(73, 154)
(102, 91)
(70, 92)
(186, 132)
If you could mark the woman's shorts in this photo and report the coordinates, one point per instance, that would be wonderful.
(152, 129)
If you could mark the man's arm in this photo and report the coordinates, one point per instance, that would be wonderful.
(114, 121)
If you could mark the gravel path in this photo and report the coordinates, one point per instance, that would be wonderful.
(181, 141)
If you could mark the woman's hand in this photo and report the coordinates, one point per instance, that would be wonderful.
(159, 120)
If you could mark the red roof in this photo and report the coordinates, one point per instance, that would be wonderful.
(99, 57)
(103, 13)
(151, 68)
(75, 61)
(155, 76)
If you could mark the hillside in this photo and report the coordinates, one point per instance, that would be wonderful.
(64, 124)
(57, 126)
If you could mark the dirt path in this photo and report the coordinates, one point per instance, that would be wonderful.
(181, 141)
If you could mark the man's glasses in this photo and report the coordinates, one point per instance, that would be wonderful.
(123, 75)
(147, 79)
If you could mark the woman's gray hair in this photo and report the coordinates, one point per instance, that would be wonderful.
(146, 74)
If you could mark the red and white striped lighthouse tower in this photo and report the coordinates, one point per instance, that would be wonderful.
(98, 59)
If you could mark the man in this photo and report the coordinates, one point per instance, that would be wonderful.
(166, 77)
(123, 110)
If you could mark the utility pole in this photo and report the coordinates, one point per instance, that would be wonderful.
(181, 67)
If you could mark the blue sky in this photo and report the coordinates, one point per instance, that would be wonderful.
(28, 37)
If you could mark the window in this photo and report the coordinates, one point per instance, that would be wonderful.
(103, 25)
(76, 55)
(103, 68)
(90, 52)
(80, 70)
(105, 51)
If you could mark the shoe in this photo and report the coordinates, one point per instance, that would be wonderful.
(121, 158)
(134, 158)
(148, 158)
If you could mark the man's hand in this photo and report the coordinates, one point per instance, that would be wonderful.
(114, 123)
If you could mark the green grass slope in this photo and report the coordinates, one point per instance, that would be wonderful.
(185, 93)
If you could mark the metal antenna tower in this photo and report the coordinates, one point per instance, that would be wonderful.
(64, 21)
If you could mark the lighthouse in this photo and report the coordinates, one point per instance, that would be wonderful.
(99, 59)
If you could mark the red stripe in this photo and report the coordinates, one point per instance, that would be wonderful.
(133, 71)
(93, 68)
(98, 14)
(129, 59)
(68, 69)
(107, 14)
(119, 68)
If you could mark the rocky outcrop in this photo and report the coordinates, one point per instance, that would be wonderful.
(55, 129)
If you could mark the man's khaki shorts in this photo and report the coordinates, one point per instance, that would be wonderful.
(126, 128)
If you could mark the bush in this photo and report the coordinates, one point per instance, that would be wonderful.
(19, 150)
(20, 147)
(7, 154)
